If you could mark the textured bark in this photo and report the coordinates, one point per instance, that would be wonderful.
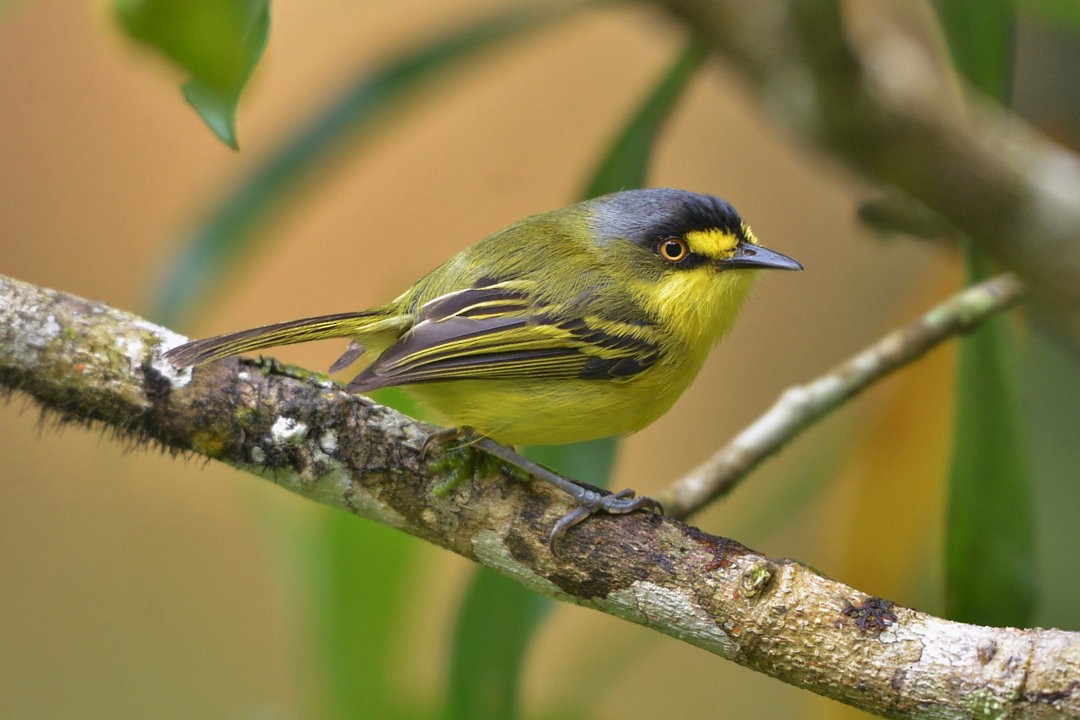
(98, 366)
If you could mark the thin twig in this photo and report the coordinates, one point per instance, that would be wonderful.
(801, 406)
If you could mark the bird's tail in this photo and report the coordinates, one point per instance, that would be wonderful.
(351, 324)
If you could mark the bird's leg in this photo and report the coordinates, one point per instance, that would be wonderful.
(590, 499)
(461, 459)
(458, 461)
(462, 463)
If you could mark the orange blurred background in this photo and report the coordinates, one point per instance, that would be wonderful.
(135, 584)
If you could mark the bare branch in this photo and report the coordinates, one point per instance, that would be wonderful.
(96, 365)
(800, 407)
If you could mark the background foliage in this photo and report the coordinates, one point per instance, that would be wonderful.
(376, 142)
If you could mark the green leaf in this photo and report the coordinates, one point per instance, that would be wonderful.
(990, 562)
(626, 162)
(218, 111)
(233, 227)
(359, 576)
(1057, 12)
(1050, 383)
(219, 42)
(491, 638)
(498, 617)
(981, 37)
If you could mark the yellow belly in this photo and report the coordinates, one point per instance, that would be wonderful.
(536, 412)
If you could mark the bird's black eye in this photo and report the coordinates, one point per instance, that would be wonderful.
(673, 249)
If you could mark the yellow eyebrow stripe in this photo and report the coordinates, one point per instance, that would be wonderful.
(713, 243)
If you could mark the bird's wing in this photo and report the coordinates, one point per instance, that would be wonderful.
(503, 331)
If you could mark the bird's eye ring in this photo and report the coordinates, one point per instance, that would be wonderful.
(673, 249)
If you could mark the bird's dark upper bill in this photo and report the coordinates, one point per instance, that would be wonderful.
(762, 258)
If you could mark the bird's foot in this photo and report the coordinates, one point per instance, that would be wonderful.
(473, 454)
(461, 460)
(594, 501)
(590, 499)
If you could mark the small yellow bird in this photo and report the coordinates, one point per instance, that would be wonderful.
(576, 324)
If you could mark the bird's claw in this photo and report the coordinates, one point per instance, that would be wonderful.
(592, 502)
(463, 462)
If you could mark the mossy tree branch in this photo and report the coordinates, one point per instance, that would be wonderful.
(98, 366)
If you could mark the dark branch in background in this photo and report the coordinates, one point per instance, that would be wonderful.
(1014, 192)
(97, 366)
(800, 407)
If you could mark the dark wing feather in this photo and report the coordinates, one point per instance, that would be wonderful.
(499, 333)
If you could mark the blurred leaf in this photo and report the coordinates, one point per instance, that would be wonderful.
(234, 225)
(398, 399)
(990, 558)
(358, 576)
(490, 640)
(217, 110)
(1050, 378)
(626, 162)
(896, 213)
(590, 461)
(1058, 12)
(498, 617)
(218, 41)
(981, 37)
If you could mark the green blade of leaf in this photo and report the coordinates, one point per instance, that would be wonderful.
(981, 38)
(990, 558)
(1057, 12)
(234, 225)
(498, 617)
(218, 41)
(492, 634)
(218, 110)
(1050, 383)
(626, 162)
(990, 561)
(358, 582)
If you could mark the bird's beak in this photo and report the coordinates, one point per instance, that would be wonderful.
(755, 257)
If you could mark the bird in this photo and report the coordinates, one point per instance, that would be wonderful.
(584, 322)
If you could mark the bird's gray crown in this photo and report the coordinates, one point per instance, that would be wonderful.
(652, 214)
